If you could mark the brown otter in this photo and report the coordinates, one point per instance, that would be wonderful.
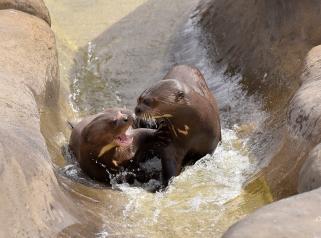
(185, 102)
(104, 143)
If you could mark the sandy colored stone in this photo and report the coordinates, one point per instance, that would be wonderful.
(304, 112)
(298, 216)
(310, 174)
(265, 40)
(31, 200)
(302, 131)
(33, 7)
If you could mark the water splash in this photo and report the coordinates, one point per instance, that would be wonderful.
(90, 93)
(201, 190)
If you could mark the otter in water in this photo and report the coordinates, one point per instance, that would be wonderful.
(184, 102)
(105, 143)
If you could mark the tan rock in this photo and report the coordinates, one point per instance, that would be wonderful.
(33, 7)
(304, 112)
(310, 174)
(298, 216)
(265, 40)
(30, 196)
(302, 130)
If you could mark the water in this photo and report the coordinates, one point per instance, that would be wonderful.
(205, 198)
(195, 201)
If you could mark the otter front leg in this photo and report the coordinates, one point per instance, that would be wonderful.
(171, 163)
(169, 168)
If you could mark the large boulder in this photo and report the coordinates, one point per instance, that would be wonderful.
(272, 44)
(33, 7)
(298, 216)
(310, 174)
(31, 200)
(301, 131)
(265, 40)
(304, 113)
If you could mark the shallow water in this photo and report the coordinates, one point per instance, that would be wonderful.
(108, 56)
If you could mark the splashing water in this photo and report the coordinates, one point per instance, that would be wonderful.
(196, 200)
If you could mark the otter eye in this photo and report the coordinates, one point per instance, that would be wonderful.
(147, 102)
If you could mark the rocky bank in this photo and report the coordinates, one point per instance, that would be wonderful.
(32, 204)
(274, 45)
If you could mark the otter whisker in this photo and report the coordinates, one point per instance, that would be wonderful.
(163, 116)
(106, 148)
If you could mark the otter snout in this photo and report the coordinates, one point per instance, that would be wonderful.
(138, 110)
(124, 118)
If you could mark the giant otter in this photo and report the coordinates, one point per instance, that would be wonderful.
(183, 100)
(104, 143)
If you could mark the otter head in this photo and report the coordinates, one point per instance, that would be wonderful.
(110, 131)
(161, 101)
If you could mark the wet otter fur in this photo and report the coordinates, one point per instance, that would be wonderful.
(184, 102)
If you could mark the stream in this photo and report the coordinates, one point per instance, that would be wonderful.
(109, 51)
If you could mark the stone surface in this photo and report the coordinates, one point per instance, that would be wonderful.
(310, 174)
(131, 55)
(304, 113)
(302, 130)
(270, 42)
(265, 40)
(298, 216)
(31, 201)
(33, 7)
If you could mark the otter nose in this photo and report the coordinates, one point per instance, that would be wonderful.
(138, 110)
(125, 118)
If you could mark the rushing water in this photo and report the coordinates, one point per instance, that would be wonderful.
(205, 198)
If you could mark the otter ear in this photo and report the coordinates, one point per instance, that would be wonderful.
(86, 135)
(180, 95)
(91, 130)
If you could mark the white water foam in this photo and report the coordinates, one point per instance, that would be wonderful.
(210, 183)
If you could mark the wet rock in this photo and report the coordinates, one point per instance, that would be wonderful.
(33, 7)
(310, 174)
(132, 55)
(270, 42)
(31, 201)
(265, 40)
(298, 216)
(302, 130)
(304, 113)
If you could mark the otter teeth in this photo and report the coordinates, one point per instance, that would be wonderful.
(129, 131)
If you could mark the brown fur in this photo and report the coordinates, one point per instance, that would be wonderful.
(183, 100)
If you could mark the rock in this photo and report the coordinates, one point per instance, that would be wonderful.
(301, 131)
(298, 216)
(304, 113)
(33, 7)
(270, 43)
(31, 200)
(265, 40)
(132, 54)
(310, 174)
